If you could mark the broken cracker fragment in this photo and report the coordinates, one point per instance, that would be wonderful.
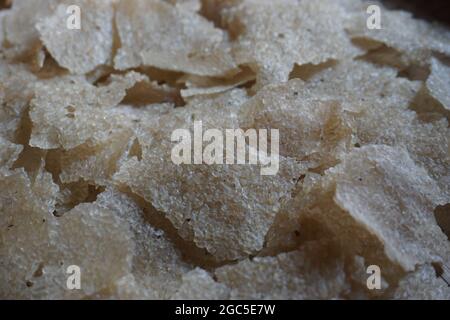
(80, 51)
(272, 36)
(19, 25)
(387, 201)
(312, 125)
(158, 34)
(197, 86)
(378, 190)
(116, 242)
(68, 112)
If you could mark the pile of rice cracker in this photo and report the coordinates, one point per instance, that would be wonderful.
(86, 176)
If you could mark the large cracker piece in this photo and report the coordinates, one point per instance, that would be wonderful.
(382, 190)
(274, 35)
(377, 107)
(226, 209)
(158, 34)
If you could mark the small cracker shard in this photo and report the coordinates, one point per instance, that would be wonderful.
(315, 271)
(438, 83)
(197, 86)
(155, 33)
(274, 35)
(95, 162)
(83, 50)
(70, 111)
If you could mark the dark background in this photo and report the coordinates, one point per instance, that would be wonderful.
(432, 10)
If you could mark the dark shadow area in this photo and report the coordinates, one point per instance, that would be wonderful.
(431, 10)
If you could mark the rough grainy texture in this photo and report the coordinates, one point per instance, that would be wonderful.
(157, 34)
(20, 24)
(68, 112)
(88, 178)
(199, 285)
(80, 51)
(439, 83)
(268, 38)
(312, 272)
(422, 285)
(415, 39)
(207, 202)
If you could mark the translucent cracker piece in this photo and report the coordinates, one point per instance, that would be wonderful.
(197, 85)
(95, 162)
(357, 81)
